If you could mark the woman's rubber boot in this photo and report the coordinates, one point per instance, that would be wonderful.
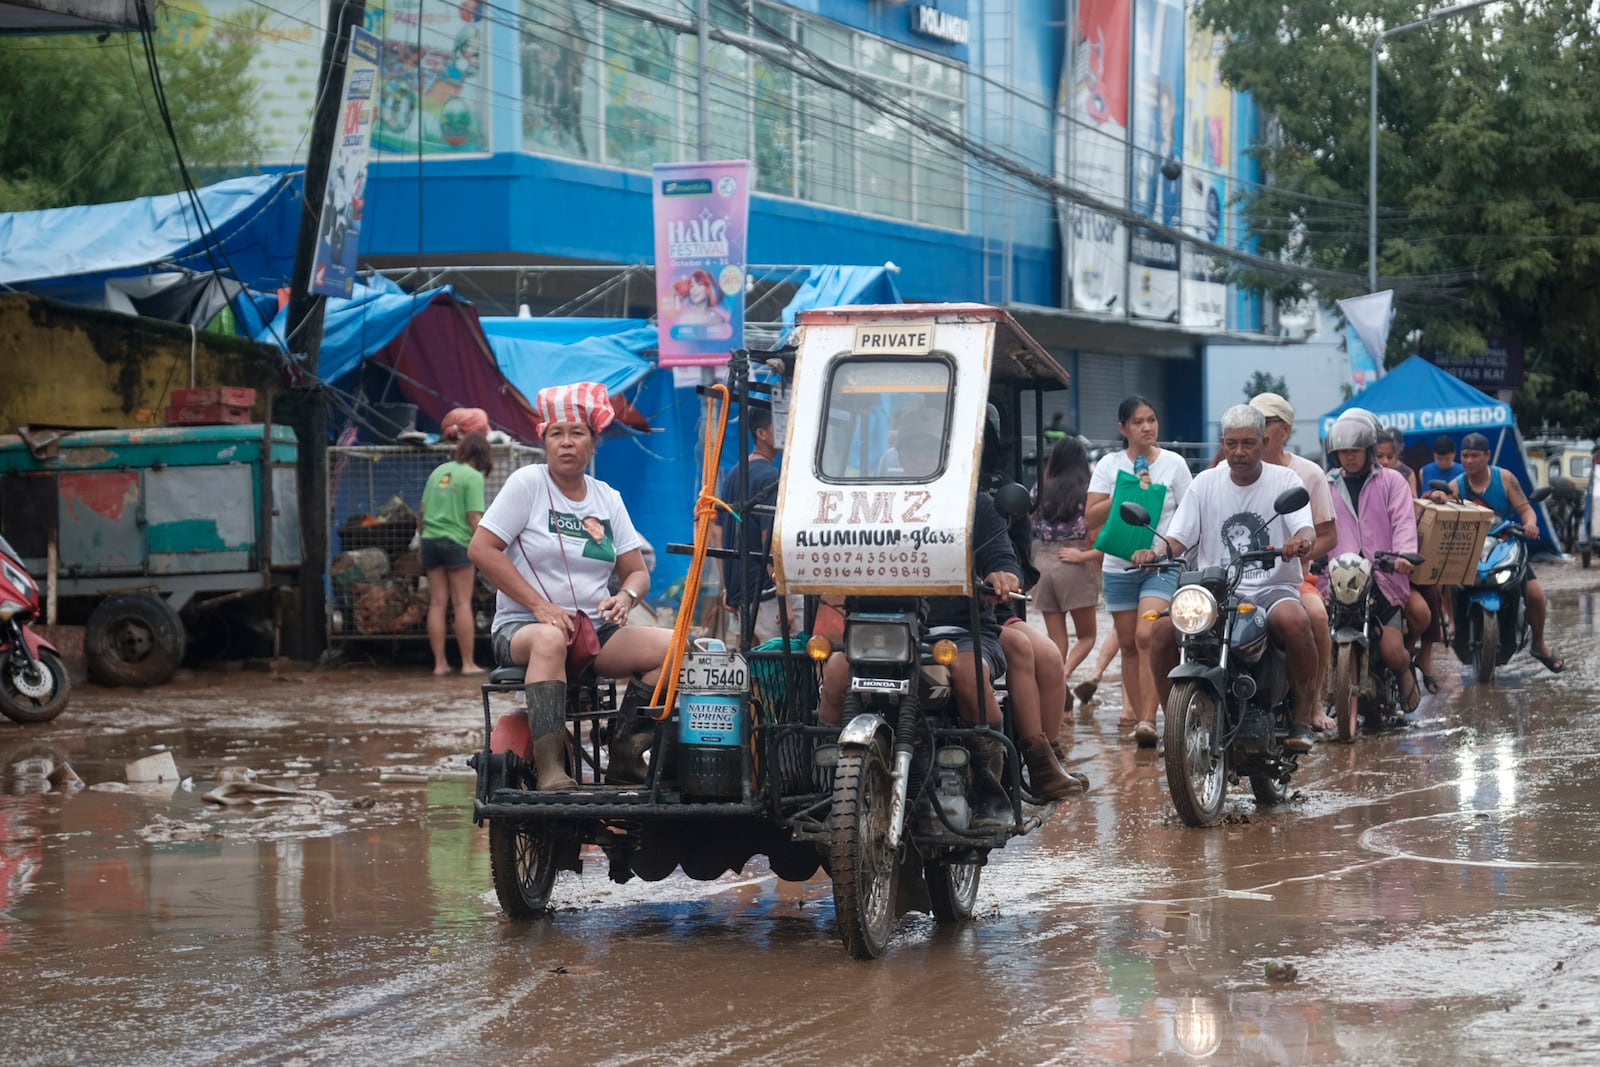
(993, 807)
(631, 737)
(1046, 778)
(547, 722)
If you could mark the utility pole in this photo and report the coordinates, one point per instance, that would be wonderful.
(305, 334)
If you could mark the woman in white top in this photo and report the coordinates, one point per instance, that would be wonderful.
(1132, 592)
(549, 543)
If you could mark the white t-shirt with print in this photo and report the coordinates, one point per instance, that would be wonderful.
(1168, 469)
(536, 520)
(1218, 519)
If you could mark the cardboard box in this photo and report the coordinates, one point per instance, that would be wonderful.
(205, 414)
(1450, 540)
(226, 395)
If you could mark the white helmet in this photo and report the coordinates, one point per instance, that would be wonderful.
(1352, 430)
(1348, 575)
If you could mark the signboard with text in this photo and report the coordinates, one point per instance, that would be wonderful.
(702, 211)
(333, 271)
(1498, 366)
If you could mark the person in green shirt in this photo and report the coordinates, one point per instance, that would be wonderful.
(452, 504)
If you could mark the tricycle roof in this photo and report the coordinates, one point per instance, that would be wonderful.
(1017, 356)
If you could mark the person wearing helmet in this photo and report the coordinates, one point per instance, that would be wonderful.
(1373, 513)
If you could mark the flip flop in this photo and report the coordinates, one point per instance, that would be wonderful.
(1408, 706)
(1429, 682)
(1553, 663)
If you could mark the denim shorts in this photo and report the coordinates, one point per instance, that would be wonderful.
(443, 552)
(1124, 589)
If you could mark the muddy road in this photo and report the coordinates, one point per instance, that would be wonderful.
(1430, 896)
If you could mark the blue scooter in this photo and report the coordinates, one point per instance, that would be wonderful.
(1492, 615)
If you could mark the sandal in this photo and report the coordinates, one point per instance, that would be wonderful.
(1410, 703)
(1553, 663)
(1429, 682)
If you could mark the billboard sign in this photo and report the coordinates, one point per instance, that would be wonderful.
(333, 270)
(1156, 190)
(702, 212)
(1094, 106)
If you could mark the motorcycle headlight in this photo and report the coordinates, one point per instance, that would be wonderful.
(9, 608)
(20, 580)
(1488, 547)
(878, 642)
(1502, 576)
(1194, 610)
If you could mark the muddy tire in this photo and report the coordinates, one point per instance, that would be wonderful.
(1269, 791)
(134, 639)
(1483, 660)
(1198, 783)
(522, 863)
(863, 864)
(953, 888)
(1346, 692)
(36, 692)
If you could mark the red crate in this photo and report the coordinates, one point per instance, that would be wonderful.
(205, 414)
(226, 395)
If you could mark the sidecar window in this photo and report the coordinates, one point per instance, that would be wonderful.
(886, 420)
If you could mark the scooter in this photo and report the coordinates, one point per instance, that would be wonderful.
(1364, 688)
(1492, 615)
(33, 681)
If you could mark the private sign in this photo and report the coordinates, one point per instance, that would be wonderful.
(911, 340)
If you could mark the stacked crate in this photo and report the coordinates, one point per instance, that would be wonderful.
(210, 405)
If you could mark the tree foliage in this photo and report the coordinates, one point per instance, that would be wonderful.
(1264, 382)
(79, 122)
(1489, 166)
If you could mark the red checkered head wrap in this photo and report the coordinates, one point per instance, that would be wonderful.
(585, 402)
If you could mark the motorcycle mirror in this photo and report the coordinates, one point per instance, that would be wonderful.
(1135, 515)
(1438, 485)
(1012, 500)
(1540, 493)
(1291, 500)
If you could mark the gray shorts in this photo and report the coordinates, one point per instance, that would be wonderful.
(500, 641)
(1270, 596)
(993, 657)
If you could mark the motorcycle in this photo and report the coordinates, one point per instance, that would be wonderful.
(1231, 705)
(1365, 689)
(1492, 614)
(33, 681)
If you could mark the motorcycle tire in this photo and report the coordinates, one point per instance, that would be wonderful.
(864, 866)
(1488, 650)
(134, 639)
(522, 865)
(1346, 692)
(20, 706)
(1269, 790)
(953, 889)
(1198, 783)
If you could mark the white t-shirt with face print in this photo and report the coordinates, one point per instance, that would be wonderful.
(1219, 519)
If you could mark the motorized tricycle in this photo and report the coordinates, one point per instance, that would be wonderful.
(1232, 702)
(891, 802)
(1364, 689)
(1492, 614)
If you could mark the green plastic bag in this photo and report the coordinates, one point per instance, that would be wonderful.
(1119, 539)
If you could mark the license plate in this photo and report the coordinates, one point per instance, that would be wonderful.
(714, 673)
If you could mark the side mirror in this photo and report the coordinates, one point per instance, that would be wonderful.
(1438, 485)
(1540, 493)
(1012, 501)
(1291, 500)
(1135, 514)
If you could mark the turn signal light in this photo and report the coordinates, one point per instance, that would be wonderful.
(1247, 608)
(944, 653)
(819, 647)
(1151, 616)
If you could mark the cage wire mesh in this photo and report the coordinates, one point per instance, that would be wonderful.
(376, 588)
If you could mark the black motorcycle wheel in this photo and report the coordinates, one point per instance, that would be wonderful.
(1488, 649)
(1269, 790)
(1197, 781)
(860, 858)
(134, 639)
(1346, 692)
(522, 864)
(953, 888)
(35, 692)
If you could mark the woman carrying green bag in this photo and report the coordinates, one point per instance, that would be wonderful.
(1144, 473)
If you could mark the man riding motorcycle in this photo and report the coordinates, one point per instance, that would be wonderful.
(1373, 512)
(1497, 489)
(1228, 510)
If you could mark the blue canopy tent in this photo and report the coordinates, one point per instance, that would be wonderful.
(1423, 402)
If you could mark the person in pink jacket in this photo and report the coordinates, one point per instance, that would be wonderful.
(1372, 509)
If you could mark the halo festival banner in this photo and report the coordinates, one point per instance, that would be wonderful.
(1156, 191)
(702, 213)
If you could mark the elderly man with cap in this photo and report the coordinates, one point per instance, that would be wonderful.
(1497, 489)
(549, 543)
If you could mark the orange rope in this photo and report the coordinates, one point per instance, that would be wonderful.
(705, 513)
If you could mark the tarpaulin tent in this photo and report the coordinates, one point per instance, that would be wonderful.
(1423, 402)
(71, 253)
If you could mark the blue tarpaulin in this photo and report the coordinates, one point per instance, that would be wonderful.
(355, 328)
(535, 353)
(1423, 402)
(827, 287)
(68, 253)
